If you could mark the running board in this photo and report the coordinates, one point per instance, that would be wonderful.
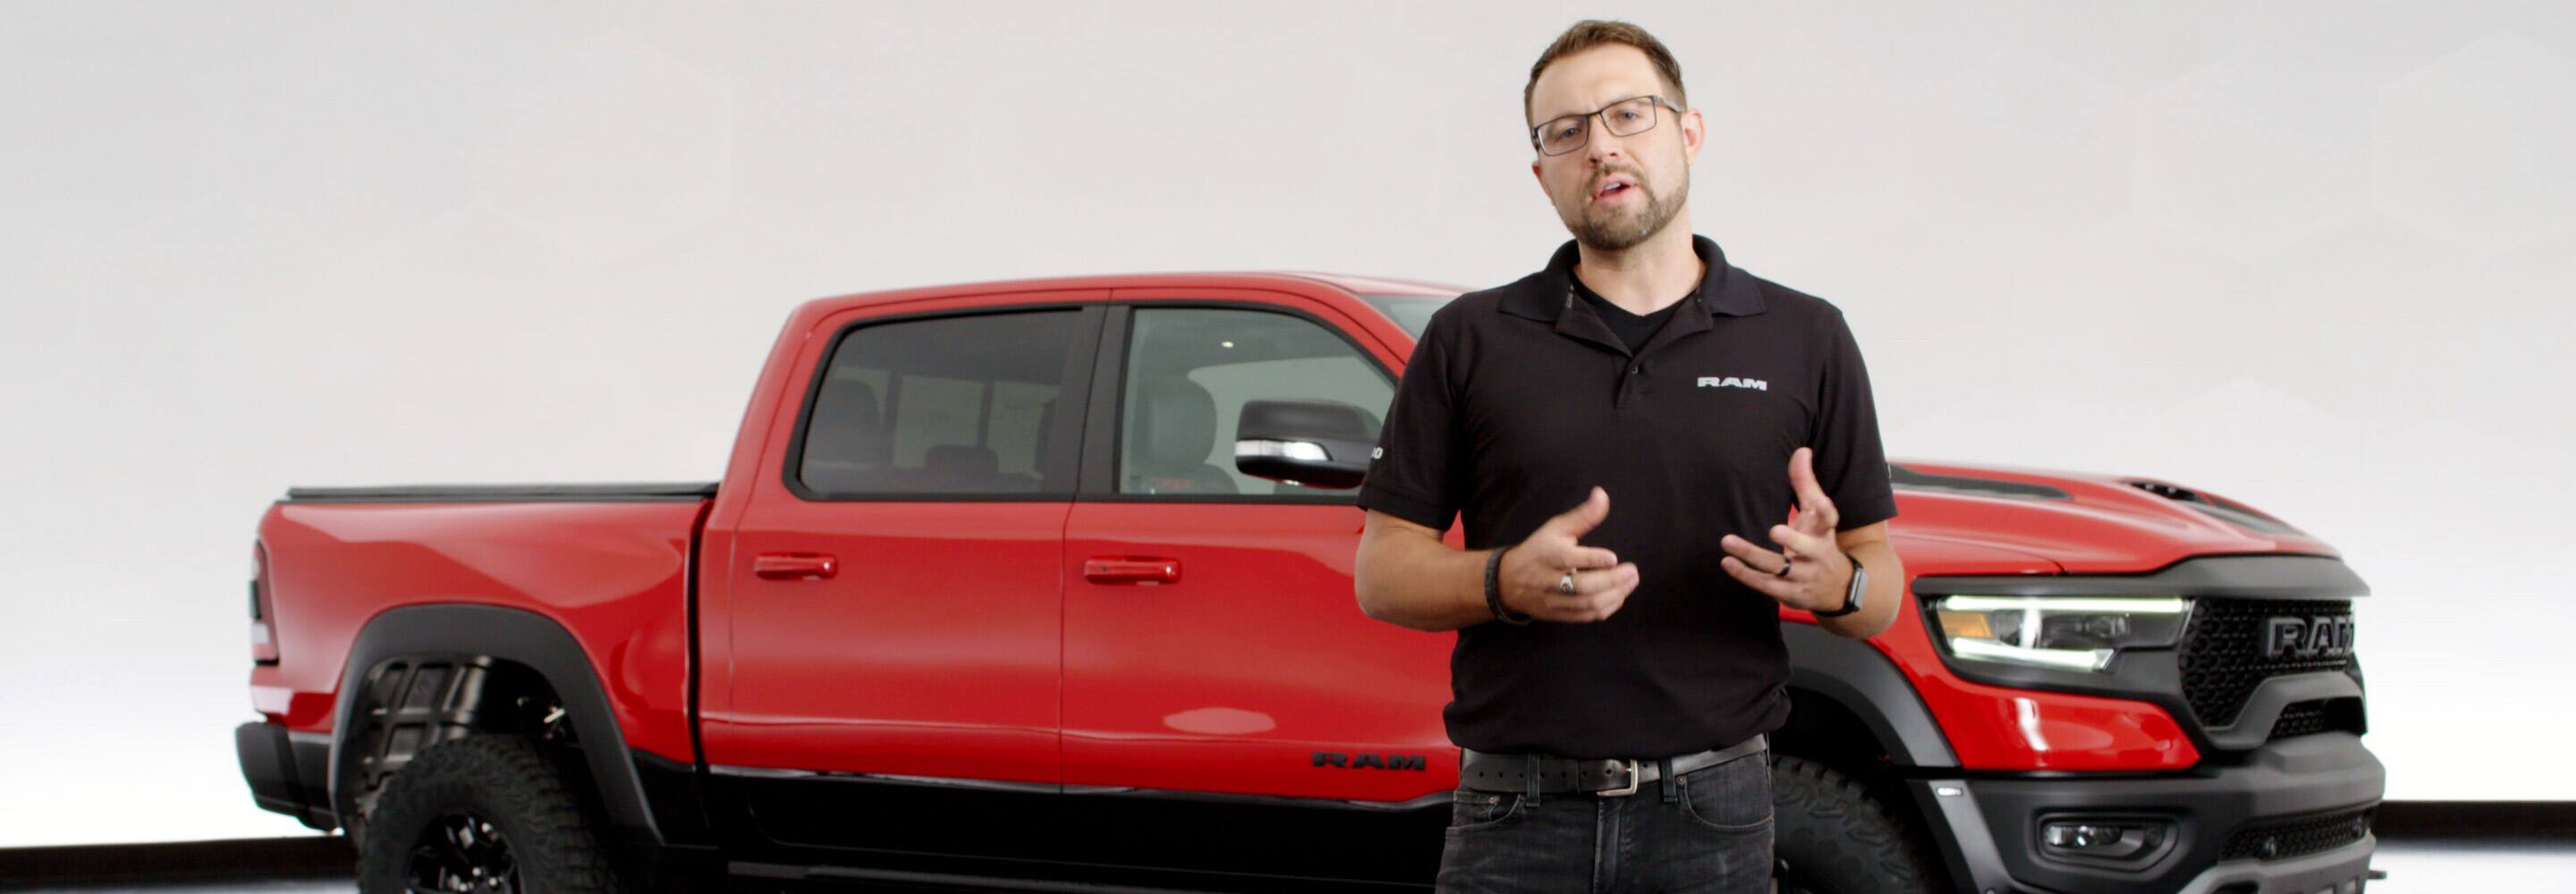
(967, 882)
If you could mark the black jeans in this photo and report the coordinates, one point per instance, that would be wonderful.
(1714, 837)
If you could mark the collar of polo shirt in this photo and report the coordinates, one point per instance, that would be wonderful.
(1724, 289)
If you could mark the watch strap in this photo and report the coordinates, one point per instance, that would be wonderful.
(1849, 605)
(1494, 591)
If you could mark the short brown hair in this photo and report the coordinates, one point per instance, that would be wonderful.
(1591, 33)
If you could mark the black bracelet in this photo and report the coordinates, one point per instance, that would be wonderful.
(1494, 592)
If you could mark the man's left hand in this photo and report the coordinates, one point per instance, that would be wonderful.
(1819, 574)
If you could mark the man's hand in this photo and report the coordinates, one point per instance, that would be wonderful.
(1819, 573)
(1531, 570)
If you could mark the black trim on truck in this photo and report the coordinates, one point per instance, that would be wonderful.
(1863, 681)
(522, 637)
(2267, 576)
(1908, 479)
(1434, 799)
(1046, 833)
(286, 771)
(506, 493)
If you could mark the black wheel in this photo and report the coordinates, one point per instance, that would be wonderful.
(1832, 837)
(488, 814)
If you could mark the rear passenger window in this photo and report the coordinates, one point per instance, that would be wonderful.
(951, 406)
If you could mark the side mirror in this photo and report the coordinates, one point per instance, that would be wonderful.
(1312, 443)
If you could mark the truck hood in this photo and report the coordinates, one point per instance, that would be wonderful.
(2023, 519)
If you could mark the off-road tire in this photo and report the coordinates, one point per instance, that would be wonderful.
(549, 838)
(1832, 836)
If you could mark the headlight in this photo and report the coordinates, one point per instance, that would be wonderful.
(2078, 633)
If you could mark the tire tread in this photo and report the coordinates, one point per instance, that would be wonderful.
(1832, 830)
(557, 847)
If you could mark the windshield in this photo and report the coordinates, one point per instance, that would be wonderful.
(1409, 311)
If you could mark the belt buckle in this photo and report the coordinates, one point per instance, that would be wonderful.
(1632, 784)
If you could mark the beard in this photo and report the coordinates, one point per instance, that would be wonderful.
(1618, 229)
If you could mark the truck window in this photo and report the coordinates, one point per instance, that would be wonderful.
(1189, 372)
(945, 406)
(1413, 312)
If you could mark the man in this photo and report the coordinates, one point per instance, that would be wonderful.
(1617, 664)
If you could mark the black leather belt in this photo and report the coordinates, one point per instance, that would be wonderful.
(1607, 777)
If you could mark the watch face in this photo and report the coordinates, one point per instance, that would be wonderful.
(1859, 583)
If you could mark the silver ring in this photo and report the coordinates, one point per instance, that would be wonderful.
(1565, 584)
(1784, 566)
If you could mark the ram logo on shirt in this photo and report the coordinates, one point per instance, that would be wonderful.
(1733, 382)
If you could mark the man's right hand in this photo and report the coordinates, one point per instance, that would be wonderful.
(1532, 568)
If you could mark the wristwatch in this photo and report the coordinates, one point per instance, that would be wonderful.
(1494, 593)
(1852, 597)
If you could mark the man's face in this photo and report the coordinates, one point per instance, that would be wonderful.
(1614, 192)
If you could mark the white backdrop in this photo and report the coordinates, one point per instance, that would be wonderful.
(2315, 256)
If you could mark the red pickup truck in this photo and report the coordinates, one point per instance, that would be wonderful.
(1046, 585)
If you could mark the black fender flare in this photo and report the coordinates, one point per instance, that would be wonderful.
(510, 634)
(1855, 676)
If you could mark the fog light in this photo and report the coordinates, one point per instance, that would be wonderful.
(2082, 835)
(2113, 839)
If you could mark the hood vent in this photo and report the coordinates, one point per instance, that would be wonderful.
(1901, 476)
(2229, 511)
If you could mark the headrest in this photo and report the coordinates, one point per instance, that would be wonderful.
(845, 425)
(1176, 425)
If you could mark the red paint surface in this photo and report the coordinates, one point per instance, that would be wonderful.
(1025, 641)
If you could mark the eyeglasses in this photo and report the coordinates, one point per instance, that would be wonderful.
(1627, 117)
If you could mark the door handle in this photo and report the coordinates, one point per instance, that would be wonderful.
(1131, 570)
(794, 566)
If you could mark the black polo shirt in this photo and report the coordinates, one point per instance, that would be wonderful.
(1633, 329)
(1519, 399)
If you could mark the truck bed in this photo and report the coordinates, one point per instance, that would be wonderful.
(608, 563)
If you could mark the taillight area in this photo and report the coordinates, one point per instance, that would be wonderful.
(263, 630)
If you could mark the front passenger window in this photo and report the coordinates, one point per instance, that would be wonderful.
(1191, 369)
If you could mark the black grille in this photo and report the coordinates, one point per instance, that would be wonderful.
(2300, 719)
(2222, 651)
(2299, 836)
(2339, 715)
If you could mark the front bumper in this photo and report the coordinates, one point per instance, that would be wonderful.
(2343, 871)
(2292, 816)
(288, 771)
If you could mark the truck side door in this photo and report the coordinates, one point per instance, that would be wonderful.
(891, 669)
(1221, 683)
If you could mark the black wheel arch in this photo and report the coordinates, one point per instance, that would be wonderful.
(464, 631)
(1849, 706)
(1852, 676)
